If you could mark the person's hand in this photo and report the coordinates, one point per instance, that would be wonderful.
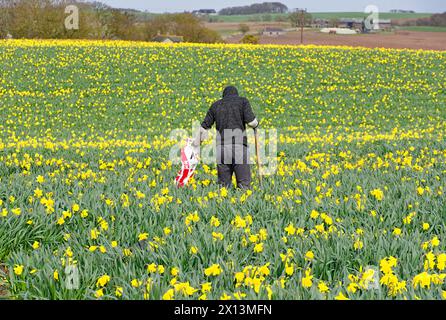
(196, 151)
(195, 143)
(199, 136)
(254, 124)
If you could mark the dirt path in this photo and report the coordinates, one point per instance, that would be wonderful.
(398, 40)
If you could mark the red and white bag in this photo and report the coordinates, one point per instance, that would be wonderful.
(189, 162)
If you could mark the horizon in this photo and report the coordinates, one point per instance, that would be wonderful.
(175, 6)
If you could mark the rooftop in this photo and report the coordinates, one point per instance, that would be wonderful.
(269, 29)
(161, 38)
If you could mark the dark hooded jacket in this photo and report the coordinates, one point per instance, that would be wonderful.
(230, 112)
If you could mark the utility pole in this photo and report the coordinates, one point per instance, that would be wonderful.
(302, 13)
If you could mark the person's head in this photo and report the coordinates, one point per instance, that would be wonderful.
(230, 91)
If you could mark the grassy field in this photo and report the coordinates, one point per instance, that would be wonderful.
(423, 29)
(382, 15)
(356, 208)
(321, 15)
(250, 17)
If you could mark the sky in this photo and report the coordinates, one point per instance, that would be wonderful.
(160, 6)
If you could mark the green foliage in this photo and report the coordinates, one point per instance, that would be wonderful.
(256, 8)
(323, 15)
(243, 28)
(250, 39)
(423, 28)
(436, 20)
(44, 19)
(87, 124)
(297, 19)
(186, 25)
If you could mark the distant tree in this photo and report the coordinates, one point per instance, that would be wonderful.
(41, 19)
(256, 8)
(100, 20)
(89, 26)
(4, 18)
(244, 28)
(436, 20)
(206, 35)
(182, 24)
(122, 25)
(250, 39)
(295, 19)
(334, 22)
(36, 18)
(45, 19)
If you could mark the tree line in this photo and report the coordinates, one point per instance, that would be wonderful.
(256, 8)
(45, 19)
(436, 20)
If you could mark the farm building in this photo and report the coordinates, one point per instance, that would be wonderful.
(273, 32)
(203, 12)
(168, 39)
(320, 23)
(360, 24)
(351, 23)
(384, 24)
(401, 11)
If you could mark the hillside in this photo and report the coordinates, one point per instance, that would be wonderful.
(322, 15)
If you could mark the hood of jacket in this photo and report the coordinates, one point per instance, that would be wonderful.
(230, 91)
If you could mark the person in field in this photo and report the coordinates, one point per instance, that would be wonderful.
(231, 115)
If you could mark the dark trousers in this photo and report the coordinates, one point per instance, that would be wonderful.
(233, 159)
